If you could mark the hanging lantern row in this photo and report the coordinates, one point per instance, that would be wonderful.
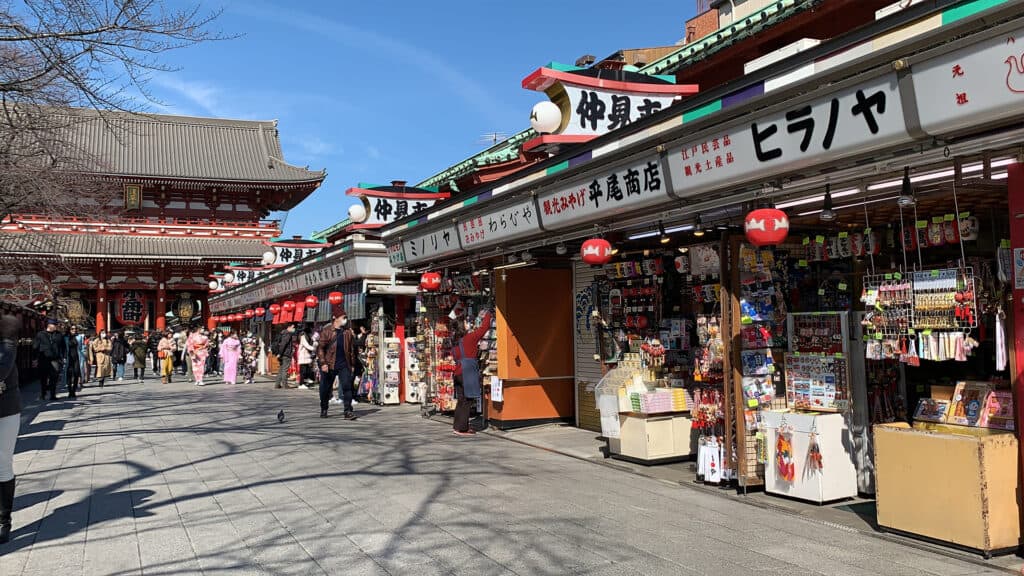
(766, 227)
(312, 301)
(430, 281)
(261, 311)
(288, 306)
(335, 298)
(250, 313)
(275, 309)
(596, 252)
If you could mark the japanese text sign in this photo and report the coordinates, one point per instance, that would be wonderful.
(974, 85)
(500, 225)
(387, 210)
(596, 111)
(396, 255)
(848, 122)
(287, 254)
(439, 243)
(617, 192)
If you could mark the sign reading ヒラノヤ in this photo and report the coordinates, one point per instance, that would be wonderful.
(980, 83)
(616, 192)
(852, 121)
(436, 244)
(499, 225)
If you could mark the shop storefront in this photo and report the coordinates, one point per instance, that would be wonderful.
(809, 293)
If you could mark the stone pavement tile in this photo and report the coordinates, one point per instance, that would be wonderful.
(111, 551)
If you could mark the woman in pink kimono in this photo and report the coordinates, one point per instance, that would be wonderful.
(197, 347)
(230, 351)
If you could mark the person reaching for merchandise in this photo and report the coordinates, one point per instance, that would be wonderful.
(468, 380)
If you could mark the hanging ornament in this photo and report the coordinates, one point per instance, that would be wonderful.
(969, 228)
(596, 252)
(261, 312)
(288, 306)
(275, 309)
(766, 227)
(784, 455)
(312, 301)
(250, 313)
(335, 298)
(814, 460)
(430, 281)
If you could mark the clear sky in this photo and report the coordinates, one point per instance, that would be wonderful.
(384, 90)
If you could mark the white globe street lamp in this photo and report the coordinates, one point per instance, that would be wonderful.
(357, 213)
(546, 117)
(269, 257)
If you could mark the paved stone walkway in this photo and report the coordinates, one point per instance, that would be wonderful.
(167, 480)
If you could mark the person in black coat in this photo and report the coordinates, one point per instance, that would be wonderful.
(10, 419)
(154, 353)
(50, 353)
(119, 354)
(73, 366)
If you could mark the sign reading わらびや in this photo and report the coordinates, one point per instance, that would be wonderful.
(977, 84)
(507, 223)
(616, 192)
(849, 122)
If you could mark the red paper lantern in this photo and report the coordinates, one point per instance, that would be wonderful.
(249, 313)
(236, 317)
(288, 306)
(596, 251)
(214, 319)
(430, 281)
(766, 227)
(275, 309)
(335, 298)
(261, 311)
(312, 301)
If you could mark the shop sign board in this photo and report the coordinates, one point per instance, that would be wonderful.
(596, 111)
(382, 211)
(396, 254)
(437, 244)
(286, 253)
(503, 224)
(618, 191)
(853, 121)
(977, 84)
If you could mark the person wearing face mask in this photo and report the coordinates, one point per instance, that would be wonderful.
(73, 368)
(101, 347)
(50, 353)
(336, 357)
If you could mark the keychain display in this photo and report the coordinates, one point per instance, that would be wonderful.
(785, 464)
(816, 382)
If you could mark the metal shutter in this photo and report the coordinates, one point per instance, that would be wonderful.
(588, 371)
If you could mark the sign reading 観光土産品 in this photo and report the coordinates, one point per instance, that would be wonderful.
(846, 123)
(616, 192)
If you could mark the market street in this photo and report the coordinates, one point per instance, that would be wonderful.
(182, 480)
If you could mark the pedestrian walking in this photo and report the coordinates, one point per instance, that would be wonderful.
(100, 349)
(153, 344)
(283, 348)
(72, 364)
(230, 352)
(165, 352)
(77, 339)
(118, 354)
(213, 358)
(306, 353)
(50, 354)
(250, 356)
(197, 347)
(336, 356)
(181, 351)
(139, 347)
(468, 386)
(10, 419)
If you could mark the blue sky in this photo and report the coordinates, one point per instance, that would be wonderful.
(393, 90)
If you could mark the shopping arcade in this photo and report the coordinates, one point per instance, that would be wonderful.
(906, 142)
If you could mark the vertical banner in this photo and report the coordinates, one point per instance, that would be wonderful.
(1015, 191)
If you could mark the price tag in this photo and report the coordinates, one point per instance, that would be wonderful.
(1004, 243)
(922, 223)
(965, 215)
(807, 240)
(910, 331)
(935, 273)
(838, 354)
(842, 286)
(821, 291)
(926, 332)
(920, 388)
(864, 337)
(878, 336)
(752, 402)
(888, 276)
(897, 275)
(819, 239)
(949, 217)
(867, 230)
(936, 219)
(802, 263)
(844, 234)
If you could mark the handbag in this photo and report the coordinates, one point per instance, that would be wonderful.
(161, 354)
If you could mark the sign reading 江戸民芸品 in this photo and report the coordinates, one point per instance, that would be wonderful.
(437, 244)
(503, 224)
(595, 111)
(396, 254)
(619, 191)
(971, 86)
(849, 122)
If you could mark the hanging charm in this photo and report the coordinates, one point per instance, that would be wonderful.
(784, 464)
(814, 460)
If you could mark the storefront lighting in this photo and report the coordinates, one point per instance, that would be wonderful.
(907, 196)
(940, 174)
(561, 249)
(847, 206)
(664, 235)
(827, 213)
(683, 249)
(515, 265)
(512, 258)
(816, 199)
(526, 257)
(654, 233)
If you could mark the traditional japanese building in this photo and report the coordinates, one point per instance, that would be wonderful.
(185, 197)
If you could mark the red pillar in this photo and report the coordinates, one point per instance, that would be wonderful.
(101, 307)
(1015, 191)
(161, 307)
(400, 303)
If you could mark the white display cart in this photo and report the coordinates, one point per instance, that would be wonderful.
(837, 480)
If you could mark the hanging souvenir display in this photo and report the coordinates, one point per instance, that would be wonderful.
(785, 466)
(815, 463)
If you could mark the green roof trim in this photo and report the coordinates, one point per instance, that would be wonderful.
(470, 201)
(968, 9)
(324, 234)
(665, 77)
(557, 167)
(563, 67)
(702, 111)
(368, 186)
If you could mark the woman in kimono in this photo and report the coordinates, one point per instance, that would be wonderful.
(230, 351)
(100, 348)
(196, 346)
(250, 356)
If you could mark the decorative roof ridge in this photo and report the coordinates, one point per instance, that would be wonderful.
(460, 169)
(141, 116)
